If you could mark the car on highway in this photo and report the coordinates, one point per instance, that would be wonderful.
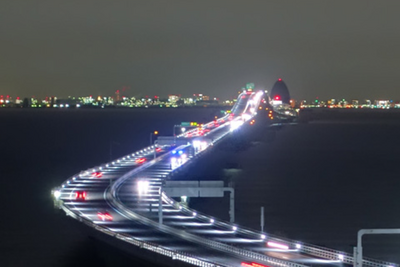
(104, 216)
(80, 195)
(140, 160)
(97, 174)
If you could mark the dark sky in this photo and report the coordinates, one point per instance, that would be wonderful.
(320, 48)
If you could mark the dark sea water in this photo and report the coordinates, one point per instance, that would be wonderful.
(320, 182)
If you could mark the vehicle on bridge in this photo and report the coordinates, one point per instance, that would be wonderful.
(140, 160)
(97, 174)
(80, 195)
(104, 216)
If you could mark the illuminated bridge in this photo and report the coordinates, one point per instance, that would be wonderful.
(124, 200)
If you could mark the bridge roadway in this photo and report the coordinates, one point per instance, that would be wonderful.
(129, 190)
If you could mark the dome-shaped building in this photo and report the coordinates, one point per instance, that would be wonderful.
(280, 92)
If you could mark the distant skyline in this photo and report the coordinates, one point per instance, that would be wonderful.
(328, 49)
(163, 97)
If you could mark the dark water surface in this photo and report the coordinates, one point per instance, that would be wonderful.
(319, 182)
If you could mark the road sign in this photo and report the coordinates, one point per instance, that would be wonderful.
(169, 140)
(201, 189)
(249, 86)
(187, 124)
(194, 188)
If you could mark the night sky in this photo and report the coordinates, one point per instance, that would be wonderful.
(320, 48)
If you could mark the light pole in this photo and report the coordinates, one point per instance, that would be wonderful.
(262, 219)
(173, 133)
(151, 137)
(358, 251)
(151, 143)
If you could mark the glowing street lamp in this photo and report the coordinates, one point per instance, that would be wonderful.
(151, 137)
(143, 187)
(57, 194)
(277, 245)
